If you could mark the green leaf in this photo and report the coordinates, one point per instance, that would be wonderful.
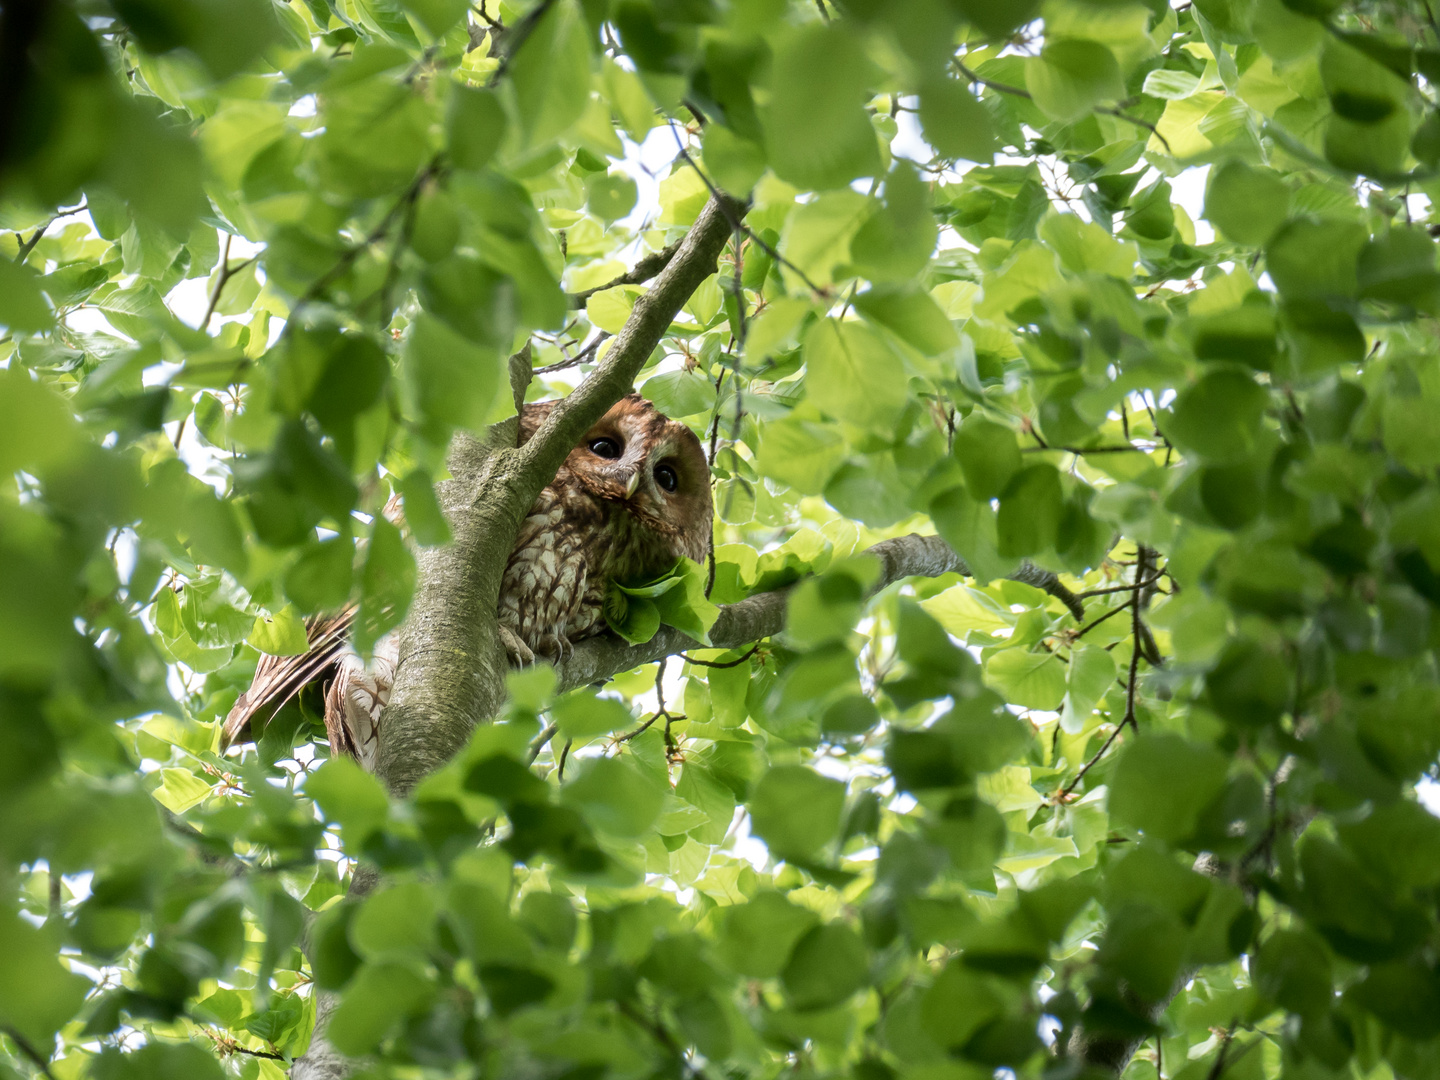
(582, 715)
(969, 526)
(395, 921)
(22, 307)
(451, 380)
(423, 515)
(320, 579)
(1092, 672)
(475, 127)
(958, 1004)
(1247, 204)
(800, 454)
(437, 16)
(1069, 78)
(280, 634)
(1163, 782)
(1293, 970)
(912, 315)
(1030, 680)
(796, 811)
(37, 994)
(387, 583)
(181, 790)
(680, 393)
(1031, 507)
(1219, 416)
(635, 618)
(378, 997)
(828, 964)
(610, 197)
(550, 72)
(757, 938)
(897, 240)
(817, 135)
(988, 454)
(851, 372)
(1310, 259)
(349, 796)
(616, 797)
(1085, 247)
(955, 124)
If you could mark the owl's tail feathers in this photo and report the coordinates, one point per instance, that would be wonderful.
(280, 678)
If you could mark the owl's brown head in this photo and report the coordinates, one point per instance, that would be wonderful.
(652, 466)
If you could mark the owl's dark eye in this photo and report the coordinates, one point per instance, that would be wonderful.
(666, 478)
(606, 448)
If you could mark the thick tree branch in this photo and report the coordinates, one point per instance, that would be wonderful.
(451, 673)
(763, 615)
(541, 457)
(452, 666)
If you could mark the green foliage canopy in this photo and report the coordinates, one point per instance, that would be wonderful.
(927, 833)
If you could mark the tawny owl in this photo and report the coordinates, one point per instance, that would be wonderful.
(628, 501)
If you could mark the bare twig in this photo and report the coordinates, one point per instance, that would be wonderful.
(27, 246)
(721, 664)
(1015, 91)
(739, 226)
(540, 741)
(28, 1048)
(579, 358)
(1096, 622)
(320, 284)
(226, 273)
(1065, 792)
(1083, 450)
(1219, 1067)
(1121, 588)
(642, 272)
(226, 1045)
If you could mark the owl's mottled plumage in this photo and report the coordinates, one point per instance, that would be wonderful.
(602, 519)
(628, 501)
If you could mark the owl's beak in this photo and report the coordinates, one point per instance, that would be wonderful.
(633, 484)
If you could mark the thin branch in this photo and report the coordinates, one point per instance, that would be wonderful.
(540, 741)
(226, 273)
(642, 272)
(320, 284)
(1121, 588)
(578, 359)
(28, 1049)
(1065, 792)
(1096, 622)
(540, 457)
(1015, 91)
(1080, 451)
(28, 246)
(1219, 1066)
(739, 226)
(226, 1045)
(721, 664)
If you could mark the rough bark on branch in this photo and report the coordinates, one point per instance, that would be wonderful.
(451, 672)
(763, 615)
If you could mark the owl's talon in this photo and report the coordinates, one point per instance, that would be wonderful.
(555, 646)
(519, 653)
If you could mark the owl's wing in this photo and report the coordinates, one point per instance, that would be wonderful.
(355, 699)
(280, 678)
